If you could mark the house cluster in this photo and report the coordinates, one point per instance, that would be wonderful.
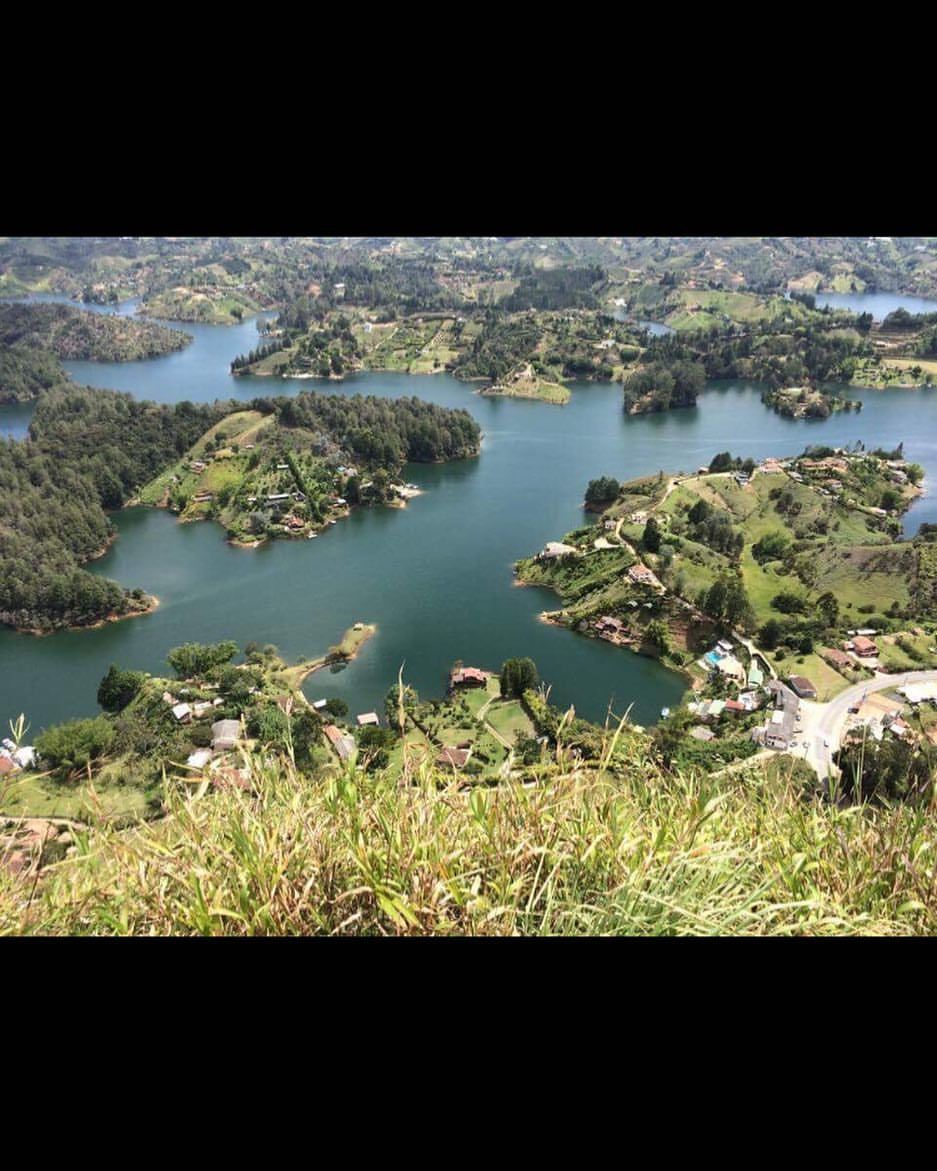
(781, 726)
(13, 759)
(722, 659)
(613, 630)
(876, 715)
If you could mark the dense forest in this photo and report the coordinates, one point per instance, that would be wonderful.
(380, 431)
(557, 288)
(499, 348)
(87, 451)
(26, 372)
(76, 334)
(805, 354)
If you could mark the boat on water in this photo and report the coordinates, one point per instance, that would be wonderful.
(664, 713)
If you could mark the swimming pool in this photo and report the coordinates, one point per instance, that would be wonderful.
(713, 657)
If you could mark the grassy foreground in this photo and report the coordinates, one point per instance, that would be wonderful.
(580, 852)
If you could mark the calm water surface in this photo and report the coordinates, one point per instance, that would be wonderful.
(436, 576)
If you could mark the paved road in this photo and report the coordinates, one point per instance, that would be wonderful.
(823, 722)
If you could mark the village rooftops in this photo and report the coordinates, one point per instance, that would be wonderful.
(182, 712)
(864, 646)
(366, 718)
(804, 688)
(837, 658)
(200, 758)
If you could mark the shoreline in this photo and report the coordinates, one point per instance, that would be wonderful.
(300, 672)
(152, 605)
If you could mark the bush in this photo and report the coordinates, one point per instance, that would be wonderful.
(76, 744)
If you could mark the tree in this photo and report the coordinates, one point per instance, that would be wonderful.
(118, 688)
(76, 744)
(771, 634)
(658, 635)
(336, 707)
(518, 676)
(602, 491)
(194, 659)
(651, 538)
(828, 605)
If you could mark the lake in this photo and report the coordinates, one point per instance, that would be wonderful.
(436, 577)
(878, 304)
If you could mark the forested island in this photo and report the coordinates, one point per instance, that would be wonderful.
(288, 467)
(91, 451)
(35, 338)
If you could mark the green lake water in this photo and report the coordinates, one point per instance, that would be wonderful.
(436, 577)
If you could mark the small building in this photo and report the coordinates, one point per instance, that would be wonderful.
(756, 676)
(453, 757)
(343, 744)
(200, 758)
(838, 659)
(803, 687)
(733, 705)
(609, 625)
(225, 734)
(641, 575)
(779, 730)
(557, 549)
(725, 646)
(25, 757)
(863, 646)
(203, 708)
(368, 718)
(468, 677)
(278, 497)
(183, 713)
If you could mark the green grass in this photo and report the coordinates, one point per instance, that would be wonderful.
(508, 717)
(637, 851)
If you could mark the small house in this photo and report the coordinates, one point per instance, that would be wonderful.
(468, 677)
(183, 713)
(368, 718)
(343, 744)
(864, 646)
(199, 759)
(453, 757)
(803, 687)
(225, 734)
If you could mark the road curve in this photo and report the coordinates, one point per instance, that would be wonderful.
(823, 722)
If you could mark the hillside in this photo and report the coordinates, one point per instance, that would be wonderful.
(290, 466)
(799, 551)
(579, 851)
(76, 334)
